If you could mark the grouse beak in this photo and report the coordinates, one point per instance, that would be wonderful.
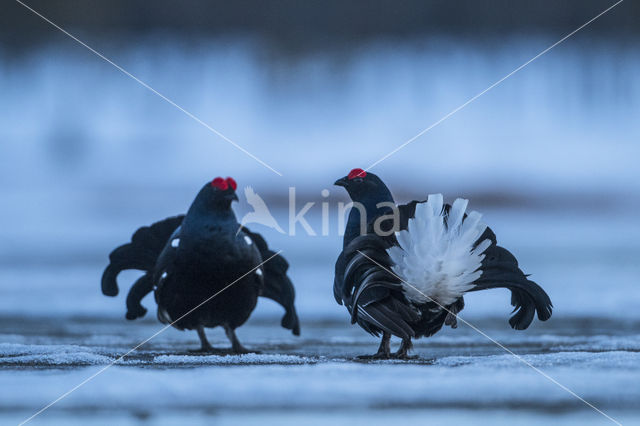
(341, 182)
(232, 196)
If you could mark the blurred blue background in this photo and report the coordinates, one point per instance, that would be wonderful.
(550, 156)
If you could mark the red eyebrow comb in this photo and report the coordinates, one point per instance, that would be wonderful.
(232, 183)
(356, 173)
(220, 183)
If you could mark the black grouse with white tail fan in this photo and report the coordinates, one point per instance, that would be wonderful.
(404, 269)
(205, 269)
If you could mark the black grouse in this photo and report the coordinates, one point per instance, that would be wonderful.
(404, 269)
(187, 259)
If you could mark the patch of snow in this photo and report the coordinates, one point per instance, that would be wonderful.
(56, 355)
(232, 359)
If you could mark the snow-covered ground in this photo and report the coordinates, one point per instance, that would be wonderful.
(549, 157)
(316, 378)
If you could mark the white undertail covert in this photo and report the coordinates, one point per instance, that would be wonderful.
(436, 254)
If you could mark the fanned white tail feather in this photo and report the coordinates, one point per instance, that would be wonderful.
(438, 258)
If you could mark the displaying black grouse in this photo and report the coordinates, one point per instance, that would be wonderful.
(404, 269)
(187, 259)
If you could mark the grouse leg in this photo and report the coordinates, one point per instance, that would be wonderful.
(236, 346)
(384, 351)
(403, 351)
(452, 313)
(205, 346)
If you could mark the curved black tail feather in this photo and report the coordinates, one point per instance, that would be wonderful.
(141, 254)
(142, 287)
(500, 270)
(277, 285)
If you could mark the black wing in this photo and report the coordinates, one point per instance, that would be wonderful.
(277, 285)
(363, 282)
(371, 293)
(141, 253)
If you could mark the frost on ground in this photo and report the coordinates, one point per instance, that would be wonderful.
(17, 355)
(316, 378)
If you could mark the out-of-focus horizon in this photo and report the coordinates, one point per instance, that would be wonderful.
(316, 89)
(313, 89)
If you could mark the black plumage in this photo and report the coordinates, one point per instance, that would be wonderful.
(375, 296)
(187, 259)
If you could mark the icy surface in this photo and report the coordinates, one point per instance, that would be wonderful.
(453, 374)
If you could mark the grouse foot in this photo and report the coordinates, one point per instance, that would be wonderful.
(209, 350)
(384, 352)
(375, 356)
(236, 346)
(403, 351)
(242, 350)
(205, 346)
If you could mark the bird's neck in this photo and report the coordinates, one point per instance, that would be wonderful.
(200, 217)
(356, 224)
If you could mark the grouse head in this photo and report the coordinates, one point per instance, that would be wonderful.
(222, 192)
(364, 187)
(215, 196)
